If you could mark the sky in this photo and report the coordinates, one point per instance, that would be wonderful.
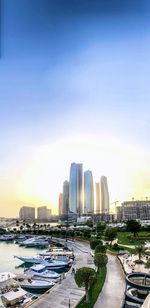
(73, 88)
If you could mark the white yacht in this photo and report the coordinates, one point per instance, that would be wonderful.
(36, 285)
(13, 297)
(36, 242)
(54, 264)
(40, 270)
(17, 297)
(35, 259)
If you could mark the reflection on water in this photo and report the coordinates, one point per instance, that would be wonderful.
(7, 253)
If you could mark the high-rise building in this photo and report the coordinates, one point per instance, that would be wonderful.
(65, 206)
(43, 213)
(97, 198)
(80, 189)
(60, 204)
(76, 189)
(88, 193)
(104, 195)
(27, 213)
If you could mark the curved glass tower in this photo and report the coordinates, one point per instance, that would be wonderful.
(104, 195)
(73, 188)
(65, 207)
(88, 193)
(97, 195)
(76, 189)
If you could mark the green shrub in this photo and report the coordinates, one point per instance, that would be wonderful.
(116, 246)
(147, 265)
(138, 261)
(100, 248)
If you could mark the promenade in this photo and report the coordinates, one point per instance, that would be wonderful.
(112, 294)
(67, 294)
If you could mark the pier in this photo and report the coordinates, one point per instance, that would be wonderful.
(66, 293)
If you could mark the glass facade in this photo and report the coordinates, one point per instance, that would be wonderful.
(73, 188)
(65, 207)
(76, 189)
(88, 193)
(104, 195)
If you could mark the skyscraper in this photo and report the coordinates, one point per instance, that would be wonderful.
(76, 189)
(80, 189)
(88, 193)
(65, 206)
(60, 204)
(97, 197)
(104, 195)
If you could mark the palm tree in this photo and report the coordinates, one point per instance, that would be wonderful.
(140, 250)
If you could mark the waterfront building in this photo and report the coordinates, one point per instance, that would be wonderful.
(27, 213)
(60, 204)
(49, 214)
(43, 213)
(134, 210)
(104, 195)
(88, 193)
(97, 198)
(76, 189)
(65, 203)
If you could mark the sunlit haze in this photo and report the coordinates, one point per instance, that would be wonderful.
(73, 88)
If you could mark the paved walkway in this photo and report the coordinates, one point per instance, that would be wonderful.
(67, 294)
(113, 290)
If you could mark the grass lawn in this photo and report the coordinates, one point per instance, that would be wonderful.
(95, 290)
(126, 238)
(131, 250)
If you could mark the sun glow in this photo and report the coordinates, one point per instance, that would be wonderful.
(104, 155)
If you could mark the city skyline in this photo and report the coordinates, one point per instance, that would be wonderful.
(74, 86)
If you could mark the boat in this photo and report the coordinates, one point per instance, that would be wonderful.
(17, 297)
(7, 279)
(38, 243)
(7, 237)
(34, 285)
(40, 270)
(35, 242)
(54, 264)
(58, 252)
(35, 259)
(46, 261)
(13, 297)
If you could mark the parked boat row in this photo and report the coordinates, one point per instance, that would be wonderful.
(48, 262)
(17, 292)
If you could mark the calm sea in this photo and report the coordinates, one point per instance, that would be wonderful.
(7, 253)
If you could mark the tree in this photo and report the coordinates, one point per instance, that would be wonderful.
(110, 234)
(133, 226)
(100, 248)
(140, 250)
(100, 260)
(100, 227)
(84, 277)
(17, 223)
(95, 243)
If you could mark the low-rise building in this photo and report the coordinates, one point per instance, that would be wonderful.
(134, 210)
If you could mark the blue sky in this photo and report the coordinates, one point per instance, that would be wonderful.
(71, 67)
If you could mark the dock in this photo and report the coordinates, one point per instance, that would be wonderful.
(66, 293)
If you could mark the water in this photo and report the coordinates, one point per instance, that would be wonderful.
(7, 260)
